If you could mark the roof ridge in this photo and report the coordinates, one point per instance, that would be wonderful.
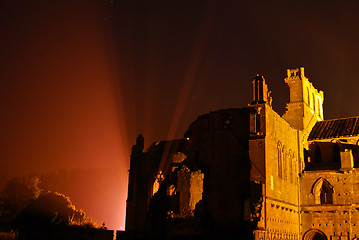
(334, 119)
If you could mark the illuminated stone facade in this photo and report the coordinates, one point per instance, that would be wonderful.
(251, 172)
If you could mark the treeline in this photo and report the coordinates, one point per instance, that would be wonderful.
(34, 201)
(100, 192)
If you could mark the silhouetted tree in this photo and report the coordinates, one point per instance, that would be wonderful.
(51, 209)
(15, 196)
(22, 204)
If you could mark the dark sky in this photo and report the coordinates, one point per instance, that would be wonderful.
(80, 79)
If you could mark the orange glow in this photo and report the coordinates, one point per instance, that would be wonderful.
(64, 112)
(81, 79)
(156, 185)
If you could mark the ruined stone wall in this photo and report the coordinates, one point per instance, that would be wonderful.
(219, 143)
(144, 171)
(282, 154)
(139, 193)
(196, 189)
(339, 219)
(257, 126)
(244, 169)
(189, 188)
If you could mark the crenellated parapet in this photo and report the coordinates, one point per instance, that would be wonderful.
(305, 105)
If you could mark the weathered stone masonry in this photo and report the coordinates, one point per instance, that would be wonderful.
(251, 172)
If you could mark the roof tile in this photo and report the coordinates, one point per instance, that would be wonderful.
(328, 129)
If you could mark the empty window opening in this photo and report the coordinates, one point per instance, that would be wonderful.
(336, 154)
(326, 194)
(323, 192)
(157, 182)
(317, 155)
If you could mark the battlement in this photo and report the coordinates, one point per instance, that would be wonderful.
(305, 105)
(295, 73)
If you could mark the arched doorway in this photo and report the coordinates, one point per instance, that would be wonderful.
(314, 234)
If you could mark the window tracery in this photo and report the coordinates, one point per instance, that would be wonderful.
(323, 192)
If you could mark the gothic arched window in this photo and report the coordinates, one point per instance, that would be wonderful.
(280, 167)
(323, 192)
(295, 173)
(326, 193)
(290, 162)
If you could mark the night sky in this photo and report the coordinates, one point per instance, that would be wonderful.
(80, 79)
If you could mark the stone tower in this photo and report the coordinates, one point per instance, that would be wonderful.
(305, 107)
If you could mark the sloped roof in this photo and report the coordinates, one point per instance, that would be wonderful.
(335, 128)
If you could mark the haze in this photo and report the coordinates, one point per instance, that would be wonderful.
(81, 79)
